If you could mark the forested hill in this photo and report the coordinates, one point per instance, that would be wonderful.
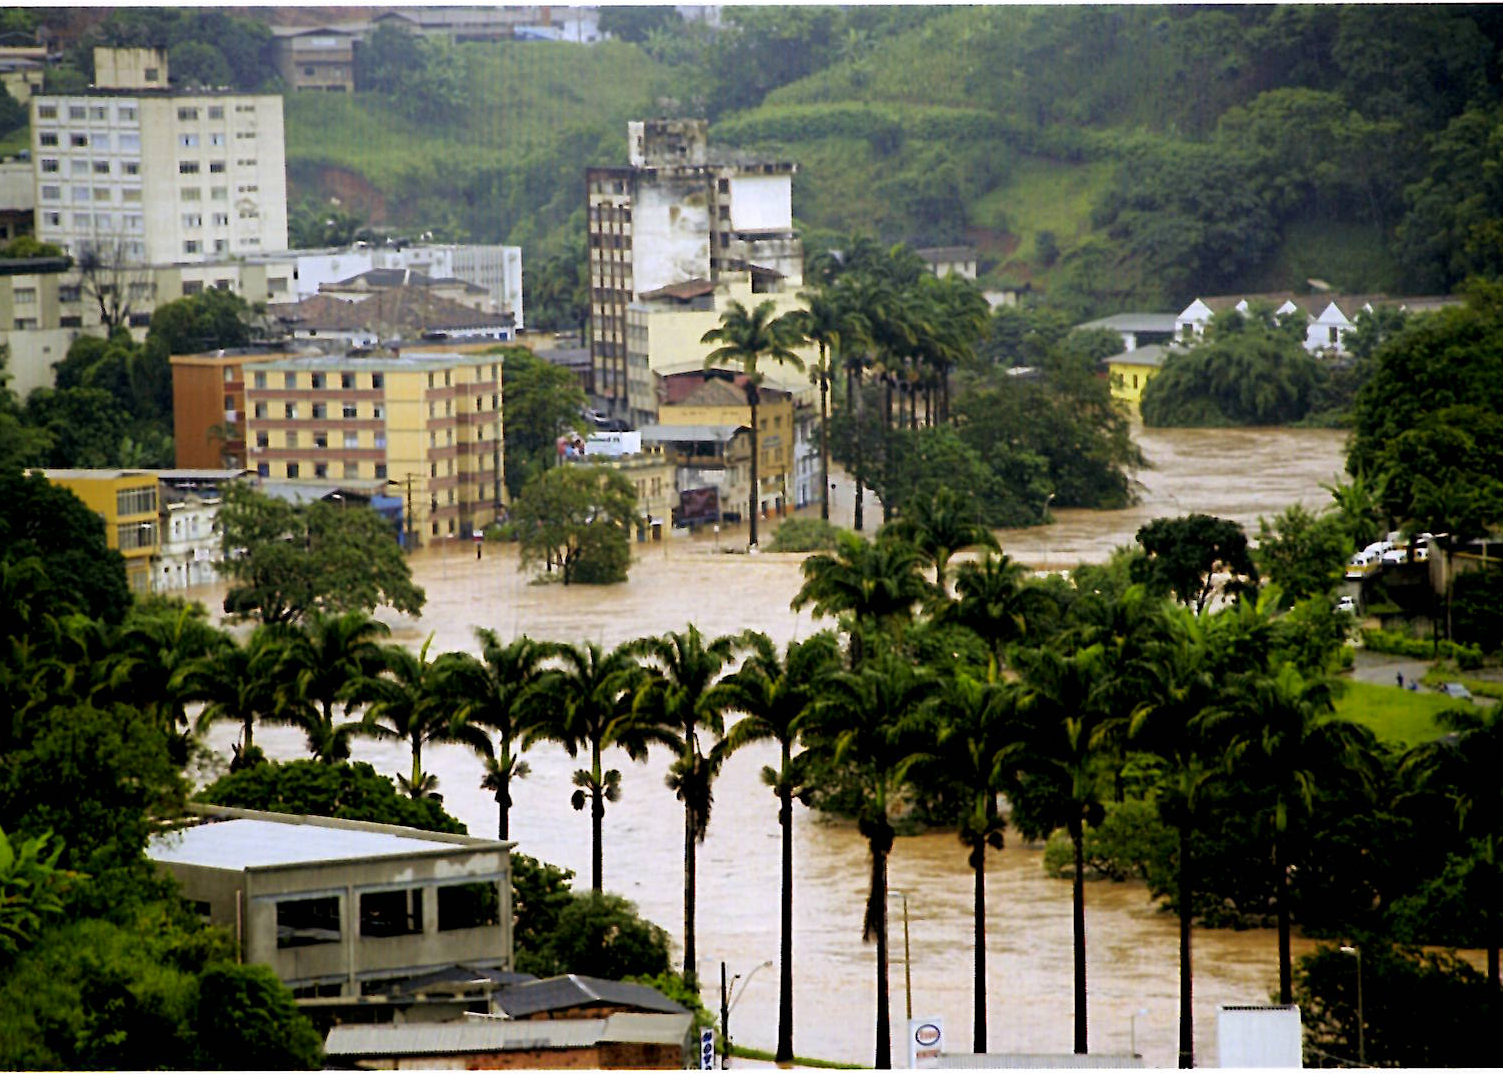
(1111, 156)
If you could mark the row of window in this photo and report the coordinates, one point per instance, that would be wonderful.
(302, 922)
(294, 470)
(98, 193)
(349, 411)
(123, 141)
(81, 166)
(125, 113)
(319, 381)
(133, 535)
(138, 501)
(320, 440)
(96, 221)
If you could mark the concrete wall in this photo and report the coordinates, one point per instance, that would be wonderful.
(761, 202)
(670, 232)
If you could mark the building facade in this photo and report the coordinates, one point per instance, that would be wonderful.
(428, 424)
(155, 175)
(316, 57)
(720, 404)
(677, 213)
(127, 501)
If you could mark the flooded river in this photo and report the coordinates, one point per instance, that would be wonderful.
(1132, 948)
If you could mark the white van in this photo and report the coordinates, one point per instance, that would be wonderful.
(1364, 563)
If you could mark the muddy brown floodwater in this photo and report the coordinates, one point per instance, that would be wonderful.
(1132, 947)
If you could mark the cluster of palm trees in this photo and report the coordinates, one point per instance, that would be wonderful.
(872, 313)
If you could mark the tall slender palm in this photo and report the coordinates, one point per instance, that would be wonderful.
(414, 699)
(678, 695)
(1063, 764)
(979, 734)
(160, 646)
(870, 722)
(235, 683)
(1463, 768)
(745, 338)
(994, 602)
(877, 582)
(939, 526)
(318, 665)
(774, 696)
(826, 320)
(1170, 724)
(492, 689)
(1286, 732)
(586, 704)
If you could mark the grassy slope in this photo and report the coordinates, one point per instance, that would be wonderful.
(1398, 716)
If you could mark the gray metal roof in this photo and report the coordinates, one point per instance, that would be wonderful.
(408, 362)
(575, 990)
(246, 843)
(1134, 322)
(1153, 354)
(664, 434)
(483, 1034)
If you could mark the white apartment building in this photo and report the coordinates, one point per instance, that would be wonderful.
(166, 176)
(189, 553)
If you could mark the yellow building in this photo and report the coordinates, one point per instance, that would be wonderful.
(655, 477)
(426, 424)
(719, 403)
(664, 328)
(1131, 371)
(127, 501)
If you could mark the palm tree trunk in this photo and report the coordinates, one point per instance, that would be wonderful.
(690, 838)
(887, 427)
(417, 764)
(785, 951)
(884, 1015)
(756, 489)
(978, 862)
(597, 819)
(1077, 837)
(1186, 1010)
(1281, 897)
(824, 444)
(859, 409)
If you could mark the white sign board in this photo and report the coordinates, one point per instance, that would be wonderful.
(614, 445)
(926, 1039)
(706, 1049)
(1258, 1036)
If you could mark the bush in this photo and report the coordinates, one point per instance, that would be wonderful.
(1130, 843)
(604, 556)
(1391, 641)
(804, 535)
(351, 791)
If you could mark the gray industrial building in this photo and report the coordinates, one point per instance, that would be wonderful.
(344, 908)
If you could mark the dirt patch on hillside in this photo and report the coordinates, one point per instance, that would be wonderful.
(323, 181)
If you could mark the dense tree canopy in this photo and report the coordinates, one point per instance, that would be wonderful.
(577, 517)
(542, 401)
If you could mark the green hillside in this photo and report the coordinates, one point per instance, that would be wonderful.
(1107, 156)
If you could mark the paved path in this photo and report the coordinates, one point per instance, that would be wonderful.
(1382, 668)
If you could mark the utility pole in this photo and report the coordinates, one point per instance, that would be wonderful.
(725, 1018)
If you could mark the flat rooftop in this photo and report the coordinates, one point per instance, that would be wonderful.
(409, 361)
(246, 843)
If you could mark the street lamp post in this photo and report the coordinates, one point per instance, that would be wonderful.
(1356, 953)
(1141, 1012)
(407, 515)
(907, 961)
(728, 1004)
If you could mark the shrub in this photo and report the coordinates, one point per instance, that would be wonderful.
(1391, 641)
(804, 535)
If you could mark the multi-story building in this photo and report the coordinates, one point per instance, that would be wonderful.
(428, 424)
(41, 312)
(719, 403)
(18, 197)
(674, 215)
(496, 268)
(316, 57)
(808, 479)
(151, 174)
(208, 404)
(127, 501)
(189, 551)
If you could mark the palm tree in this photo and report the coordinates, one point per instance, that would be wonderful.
(870, 722)
(415, 699)
(939, 526)
(678, 696)
(1288, 733)
(979, 736)
(318, 664)
(746, 338)
(1062, 764)
(587, 704)
(822, 321)
(774, 696)
(876, 582)
(994, 602)
(1463, 768)
(159, 647)
(235, 683)
(491, 690)
(1170, 723)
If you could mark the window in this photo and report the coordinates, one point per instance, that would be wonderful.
(137, 501)
(219, 193)
(347, 380)
(187, 167)
(468, 906)
(193, 219)
(289, 380)
(379, 413)
(98, 111)
(46, 111)
(216, 167)
(301, 922)
(78, 167)
(101, 193)
(289, 411)
(216, 111)
(350, 411)
(193, 287)
(24, 296)
(52, 219)
(128, 112)
(191, 246)
(260, 407)
(78, 141)
(187, 113)
(130, 193)
(49, 166)
(317, 383)
(101, 167)
(70, 320)
(52, 193)
(320, 469)
(378, 381)
(224, 285)
(320, 439)
(188, 141)
(391, 913)
(260, 380)
(70, 292)
(247, 162)
(292, 470)
(24, 323)
(131, 167)
(132, 535)
(320, 410)
(245, 134)
(128, 143)
(352, 469)
(262, 439)
(47, 138)
(263, 469)
(76, 111)
(292, 438)
(381, 470)
(216, 139)
(191, 193)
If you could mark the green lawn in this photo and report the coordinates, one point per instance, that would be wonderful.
(1394, 715)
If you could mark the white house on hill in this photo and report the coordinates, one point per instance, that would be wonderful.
(1329, 317)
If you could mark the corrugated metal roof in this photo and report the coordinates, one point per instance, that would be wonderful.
(244, 843)
(575, 990)
(1153, 354)
(482, 1034)
(1134, 322)
(670, 434)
